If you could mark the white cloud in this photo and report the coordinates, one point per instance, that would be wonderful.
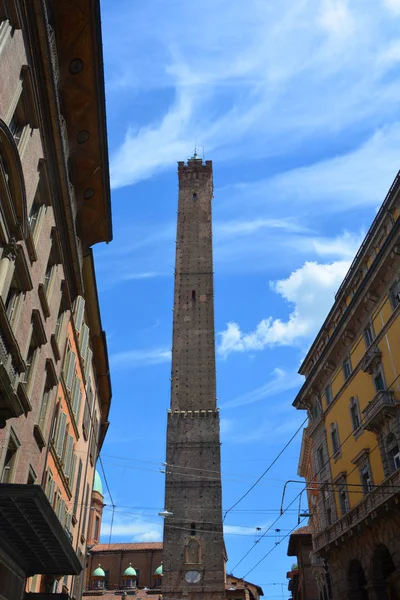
(133, 528)
(335, 17)
(281, 381)
(140, 358)
(393, 6)
(310, 290)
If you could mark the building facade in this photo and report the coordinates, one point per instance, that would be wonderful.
(193, 554)
(55, 387)
(350, 451)
(302, 581)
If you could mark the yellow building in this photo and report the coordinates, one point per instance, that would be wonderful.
(352, 395)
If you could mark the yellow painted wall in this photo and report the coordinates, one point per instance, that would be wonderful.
(361, 385)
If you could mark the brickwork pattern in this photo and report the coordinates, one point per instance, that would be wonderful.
(193, 482)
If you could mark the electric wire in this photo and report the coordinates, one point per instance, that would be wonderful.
(277, 457)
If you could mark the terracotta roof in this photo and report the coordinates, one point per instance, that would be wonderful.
(303, 530)
(132, 546)
(113, 595)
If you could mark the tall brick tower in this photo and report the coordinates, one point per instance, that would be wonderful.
(193, 556)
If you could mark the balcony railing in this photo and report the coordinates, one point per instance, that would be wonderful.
(381, 407)
(376, 498)
(6, 362)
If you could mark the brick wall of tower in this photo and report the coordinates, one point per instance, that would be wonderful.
(193, 480)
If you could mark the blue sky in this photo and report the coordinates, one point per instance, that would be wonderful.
(297, 104)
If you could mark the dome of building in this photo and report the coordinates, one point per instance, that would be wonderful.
(158, 571)
(97, 485)
(130, 571)
(98, 572)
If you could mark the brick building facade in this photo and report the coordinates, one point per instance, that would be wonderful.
(55, 204)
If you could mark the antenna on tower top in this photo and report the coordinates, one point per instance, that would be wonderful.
(195, 155)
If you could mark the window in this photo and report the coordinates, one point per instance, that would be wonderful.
(31, 476)
(77, 489)
(31, 360)
(395, 294)
(347, 368)
(328, 394)
(60, 435)
(194, 196)
(368, 336)
(49, 275)
(366, 480)
(69, 368)
(320, 458)
(343, 500)
(13, 301)
(193, 529)
(329, 516)
(379, 382)
(96, 529)
(35, 216)
(393, 453)
(44, 408)
(193, 295)
(335, 439)
(10, 459)
(16, 127)
(355, 414)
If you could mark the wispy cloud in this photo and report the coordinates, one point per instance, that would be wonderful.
(281, 381)
(140, 358)
(330, 56)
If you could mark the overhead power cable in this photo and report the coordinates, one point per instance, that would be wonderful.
(277, 457)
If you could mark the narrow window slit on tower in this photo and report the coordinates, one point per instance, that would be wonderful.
(193, 530)
(194, 196)
(194, 295)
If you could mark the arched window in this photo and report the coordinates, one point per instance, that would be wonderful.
(12, 187)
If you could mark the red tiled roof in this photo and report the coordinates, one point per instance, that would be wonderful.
(130, 546)
(113, 595)
(303, 530)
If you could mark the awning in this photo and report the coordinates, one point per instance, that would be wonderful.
(31, 534)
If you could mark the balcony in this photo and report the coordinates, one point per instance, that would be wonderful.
(377, 499)
(13, 400)
(381, 408)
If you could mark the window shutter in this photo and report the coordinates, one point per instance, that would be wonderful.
(48, 486)
(51, 492)
(88, 363)
(84, 340)
(61, 434)
(71, 371)
(86, 418)
(62, 512)
(72, 474)
(75, 393)
(68, 455)
(78, 484)
(79, 312)
(78, 406)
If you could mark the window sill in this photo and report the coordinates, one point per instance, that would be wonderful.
(357, 432)
(54, 345)
(337, 455)
(43, 300)
(30, 244)
(39, 437)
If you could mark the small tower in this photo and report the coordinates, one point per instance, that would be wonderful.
(98, 578)
(158, 573)
(96, 511)
(129, 577)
